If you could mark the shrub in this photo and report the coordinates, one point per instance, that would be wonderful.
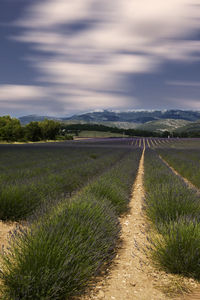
(174, 209)
(167, 202)
(56, 257)
(178, 250)
(24, 186)
(17, 202)
(113, 192)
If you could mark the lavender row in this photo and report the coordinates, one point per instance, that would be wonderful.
(174, 211)
(63, 171)
(59, 253)
(186, 162)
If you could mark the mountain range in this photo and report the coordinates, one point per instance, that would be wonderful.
(154, 120)
(136, 116)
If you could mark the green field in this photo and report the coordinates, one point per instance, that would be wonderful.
(99, 134)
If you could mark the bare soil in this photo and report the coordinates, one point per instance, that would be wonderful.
(193, 296)
(5, 228)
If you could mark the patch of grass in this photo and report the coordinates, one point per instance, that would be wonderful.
(99, 134)
(93, 156)
(175, 286)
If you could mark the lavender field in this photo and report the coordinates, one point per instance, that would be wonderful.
(67, 198)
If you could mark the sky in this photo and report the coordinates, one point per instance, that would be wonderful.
(64, 57)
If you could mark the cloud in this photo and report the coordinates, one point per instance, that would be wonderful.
(185, 103)
(96, 100)
(21, 92)
(111, 39)
(184, 83)
(52, 13)
(35, 99)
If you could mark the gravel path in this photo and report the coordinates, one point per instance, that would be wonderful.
(5, 228)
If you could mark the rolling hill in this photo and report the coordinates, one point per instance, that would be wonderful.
(150, 120)
(191, 127)
(136, 116)
(163, 125)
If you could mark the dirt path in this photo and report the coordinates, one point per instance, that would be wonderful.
(192, 296)
(5, 228)
(130, 276)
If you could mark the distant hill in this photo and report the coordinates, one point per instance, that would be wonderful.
(154, 120)
(30, 118)
(191, 127)
(163, 125)
(158, 125)
(123, 125)
(140, 117)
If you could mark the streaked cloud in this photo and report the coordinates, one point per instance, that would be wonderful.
(23, 98)
(184, 83)
(186, 103)
(96, 100)
(90, 46)
(21, 92)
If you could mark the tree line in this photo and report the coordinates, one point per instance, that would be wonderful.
(11, 130)
(77, 128)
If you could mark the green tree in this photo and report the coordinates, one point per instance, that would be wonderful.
(33, 132)
(166, 134)
(10, 129)
(49, 129)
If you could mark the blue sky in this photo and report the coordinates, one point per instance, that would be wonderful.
(60, 57)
